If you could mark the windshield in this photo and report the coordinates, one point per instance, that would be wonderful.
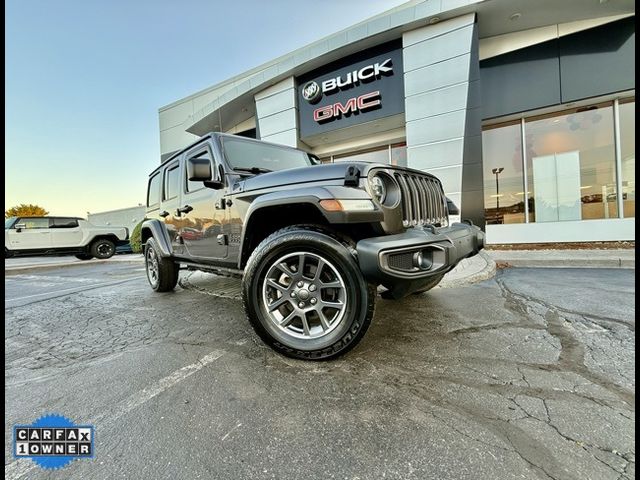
(248, 155)
(9, 221)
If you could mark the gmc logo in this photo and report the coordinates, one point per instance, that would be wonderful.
(353, 105)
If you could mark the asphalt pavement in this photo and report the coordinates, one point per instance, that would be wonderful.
(528, 375)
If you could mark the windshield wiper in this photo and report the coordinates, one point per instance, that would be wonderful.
(252, 169)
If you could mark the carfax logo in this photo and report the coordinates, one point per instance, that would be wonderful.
(53, 441)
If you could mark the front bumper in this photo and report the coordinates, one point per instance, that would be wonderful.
(406, 262)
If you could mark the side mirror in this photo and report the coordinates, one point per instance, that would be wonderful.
(214, 184)
(20, 226)
(452, 208)
(199, 170)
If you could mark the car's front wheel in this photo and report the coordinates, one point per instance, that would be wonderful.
(162, 273)
(304, 294)
(103, 248)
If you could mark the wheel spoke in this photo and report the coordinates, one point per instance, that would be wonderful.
(301, 265)
(333, 284)
(337, 305)
(278, 303)
(287, 320)
(305, 324)
(286, 270)
(323, 320)
(276, 285)
(321, 264)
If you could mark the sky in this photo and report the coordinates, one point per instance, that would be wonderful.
(84, 80)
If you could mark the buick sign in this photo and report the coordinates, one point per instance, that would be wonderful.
(311, 92)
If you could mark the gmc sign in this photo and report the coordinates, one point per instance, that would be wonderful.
(353, 105)
(356, 89)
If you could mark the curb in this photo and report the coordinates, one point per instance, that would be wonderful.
(489, 271)
(574, 263)
(50, 266)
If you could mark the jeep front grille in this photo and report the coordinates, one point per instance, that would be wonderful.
(423, 200)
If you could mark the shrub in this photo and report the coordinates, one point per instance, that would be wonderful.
(136, 238)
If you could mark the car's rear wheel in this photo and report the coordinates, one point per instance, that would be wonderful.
(304, 294)
(84, 256)
(103, 248)
(162, 272)
(7, 253)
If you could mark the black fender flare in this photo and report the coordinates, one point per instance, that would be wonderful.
(156, 229)
(311, 196)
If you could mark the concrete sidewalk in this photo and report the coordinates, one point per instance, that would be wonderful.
(591, 258)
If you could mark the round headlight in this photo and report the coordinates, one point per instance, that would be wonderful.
(378, 189)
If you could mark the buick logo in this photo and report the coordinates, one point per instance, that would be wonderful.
(311, 92)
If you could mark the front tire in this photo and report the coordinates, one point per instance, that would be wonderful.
(103, 249)
(304, 294)
(162, 273)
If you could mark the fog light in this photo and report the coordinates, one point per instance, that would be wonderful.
(423, 260)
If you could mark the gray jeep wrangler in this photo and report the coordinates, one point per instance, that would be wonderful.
(311, 242)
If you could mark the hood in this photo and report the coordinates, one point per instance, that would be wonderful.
(314, 173)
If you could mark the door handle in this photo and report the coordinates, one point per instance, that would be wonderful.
(185, 209)
(164, 213)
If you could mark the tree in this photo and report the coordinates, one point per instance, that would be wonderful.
(25, 210)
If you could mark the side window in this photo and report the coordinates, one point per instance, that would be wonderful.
(153, 194)
(172, 182)
(33, 223)
(193, 186)
(64, 223)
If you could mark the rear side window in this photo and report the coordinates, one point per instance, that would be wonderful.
(64, 223)
(172, 183)
(153, 195)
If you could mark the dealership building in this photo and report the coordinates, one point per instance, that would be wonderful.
(525, 110)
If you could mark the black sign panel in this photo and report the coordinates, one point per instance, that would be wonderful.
(356, 89)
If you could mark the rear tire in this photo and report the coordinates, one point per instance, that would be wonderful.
(7, 253)
(304, 294)
(162, 272)
(84, 256)
(103, 249)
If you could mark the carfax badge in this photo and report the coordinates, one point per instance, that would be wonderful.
(53, 441)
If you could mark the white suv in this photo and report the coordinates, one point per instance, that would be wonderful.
(61, 235)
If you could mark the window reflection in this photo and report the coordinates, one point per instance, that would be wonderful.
(571, 165)
(378, 155)
(502, 172)
(628, 154)
(399, 154)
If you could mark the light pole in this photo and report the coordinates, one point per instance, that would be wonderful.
(496, 172)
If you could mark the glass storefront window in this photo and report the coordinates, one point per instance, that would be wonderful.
(571, 165)
(502, 173)
(399, 154)
(627, 113)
